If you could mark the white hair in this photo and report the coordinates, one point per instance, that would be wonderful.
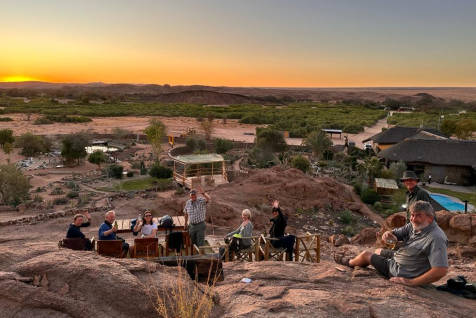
(247, 213)
(110, 212)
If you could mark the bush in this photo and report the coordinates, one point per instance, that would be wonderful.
(60, 201)
(191, 143)
(72, 194)
(386, 174)
(37, 199)
(130, 174)
(32, 145)
(349, 230)
(346, 217)
(223, 145)
(369, 196)
(358, 188)
(42, 121)
(5, 119)
(72, 185)
(57, 191)
(301, 163)
(378, 206)
(115, 171)
(270, 139)
(158, 171)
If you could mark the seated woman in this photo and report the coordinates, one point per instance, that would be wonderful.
(277, 231)
(240, 237)
(146, 227)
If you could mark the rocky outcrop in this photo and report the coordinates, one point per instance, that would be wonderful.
(338, 239)
(367, 236)
(327, 290)
(65, 283)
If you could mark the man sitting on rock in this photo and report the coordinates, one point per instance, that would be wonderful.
(107, 231)
(422, 259)
(74, 230)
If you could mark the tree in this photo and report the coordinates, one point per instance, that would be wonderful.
(397, 169)
(115, 171)
(371, 168)
(319, 142)
(33, 145)
(158, 171)
(207, 126)
(270, 140)
(448, 127)
(14, 186)
(155, 132)
(7, 149)
(97, 158)
(301, 163)
(6, 136)
(223, 145)
(465, 128)
(74, 147)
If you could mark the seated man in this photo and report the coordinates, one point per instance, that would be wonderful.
(421, 260)
(74, 230)
(108, 232)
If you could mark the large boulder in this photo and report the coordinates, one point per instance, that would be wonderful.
(338, 239)
(367, 236)
(66, 283)
(443, 218)
(396, 220)
(461, 222)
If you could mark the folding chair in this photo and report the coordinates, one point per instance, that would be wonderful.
(271, 252)
(307, 248)
(77, 244)
(246, 254)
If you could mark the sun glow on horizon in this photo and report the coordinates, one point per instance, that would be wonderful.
(18, 78)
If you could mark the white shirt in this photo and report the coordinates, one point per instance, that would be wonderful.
(147, 229)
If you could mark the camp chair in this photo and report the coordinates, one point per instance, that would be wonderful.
(271, 252)
(77, 244)
(307, 248)
(111, 248)
(146, 247)
(246, 253)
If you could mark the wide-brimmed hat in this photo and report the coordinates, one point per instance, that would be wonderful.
(407, 175)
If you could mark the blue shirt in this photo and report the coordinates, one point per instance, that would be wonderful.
(106, 226)
(75, 232)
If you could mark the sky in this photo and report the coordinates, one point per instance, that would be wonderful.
(265, 43)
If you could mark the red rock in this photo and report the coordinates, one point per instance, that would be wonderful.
(396, 220)
(466, 251)
(443, 218)
(461, 222)
(338, 239)
(367, 236)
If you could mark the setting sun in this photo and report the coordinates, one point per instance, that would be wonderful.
(18, 78)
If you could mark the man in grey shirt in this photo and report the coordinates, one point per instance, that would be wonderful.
(422, 259)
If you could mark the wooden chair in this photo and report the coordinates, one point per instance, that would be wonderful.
(111, 248)
(271, 252)
(77, 244)
(308, 248)
(146, 247)
(186, 250)
(246, 254)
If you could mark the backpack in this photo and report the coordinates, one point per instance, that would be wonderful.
(166, 221)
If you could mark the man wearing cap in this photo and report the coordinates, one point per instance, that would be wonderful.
(414, 192)
(195, 212)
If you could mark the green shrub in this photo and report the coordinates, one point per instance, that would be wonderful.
(369, 196)
(358, 188)
(115, 171)
(42, 121)
(130, 174)
(57, 191)
(301, 163)
(32, 145)
(60, 201)
(72, 194)
(72, 185)
(346, 217)
(223, 145)
(5, 119)
(378, 206)
(37, 199)
(349, 230)
(191, 143)
(158, 171)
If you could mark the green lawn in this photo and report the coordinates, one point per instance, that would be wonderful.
(471, 197)
(140, 184)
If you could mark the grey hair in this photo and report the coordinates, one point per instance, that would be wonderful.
(246, 212)
(110, 212)
(423, 206)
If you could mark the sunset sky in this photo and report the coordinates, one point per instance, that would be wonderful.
(267, 43)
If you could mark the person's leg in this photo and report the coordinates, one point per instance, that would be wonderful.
(384, 252)
(361, 260)
(289, 245)
(380, 263)
(192, 231)
(201, 234)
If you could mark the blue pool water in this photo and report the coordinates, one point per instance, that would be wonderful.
(447, 202)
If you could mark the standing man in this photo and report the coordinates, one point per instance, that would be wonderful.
(195, 213)
(414, 192)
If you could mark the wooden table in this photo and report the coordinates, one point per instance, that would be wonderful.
(179, 222)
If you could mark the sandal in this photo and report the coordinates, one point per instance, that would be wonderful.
(342, 259)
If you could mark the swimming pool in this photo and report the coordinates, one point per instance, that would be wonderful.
(447, 202)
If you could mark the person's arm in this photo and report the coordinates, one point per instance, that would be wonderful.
(433, 275)
(137, 227)
(234, 232)
(88, 222)
(402, 233)
(205, 195)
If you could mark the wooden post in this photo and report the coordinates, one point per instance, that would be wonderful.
(318, 249)
(296, 251)
(184, 174)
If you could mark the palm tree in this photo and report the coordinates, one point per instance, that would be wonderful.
(319, 143)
